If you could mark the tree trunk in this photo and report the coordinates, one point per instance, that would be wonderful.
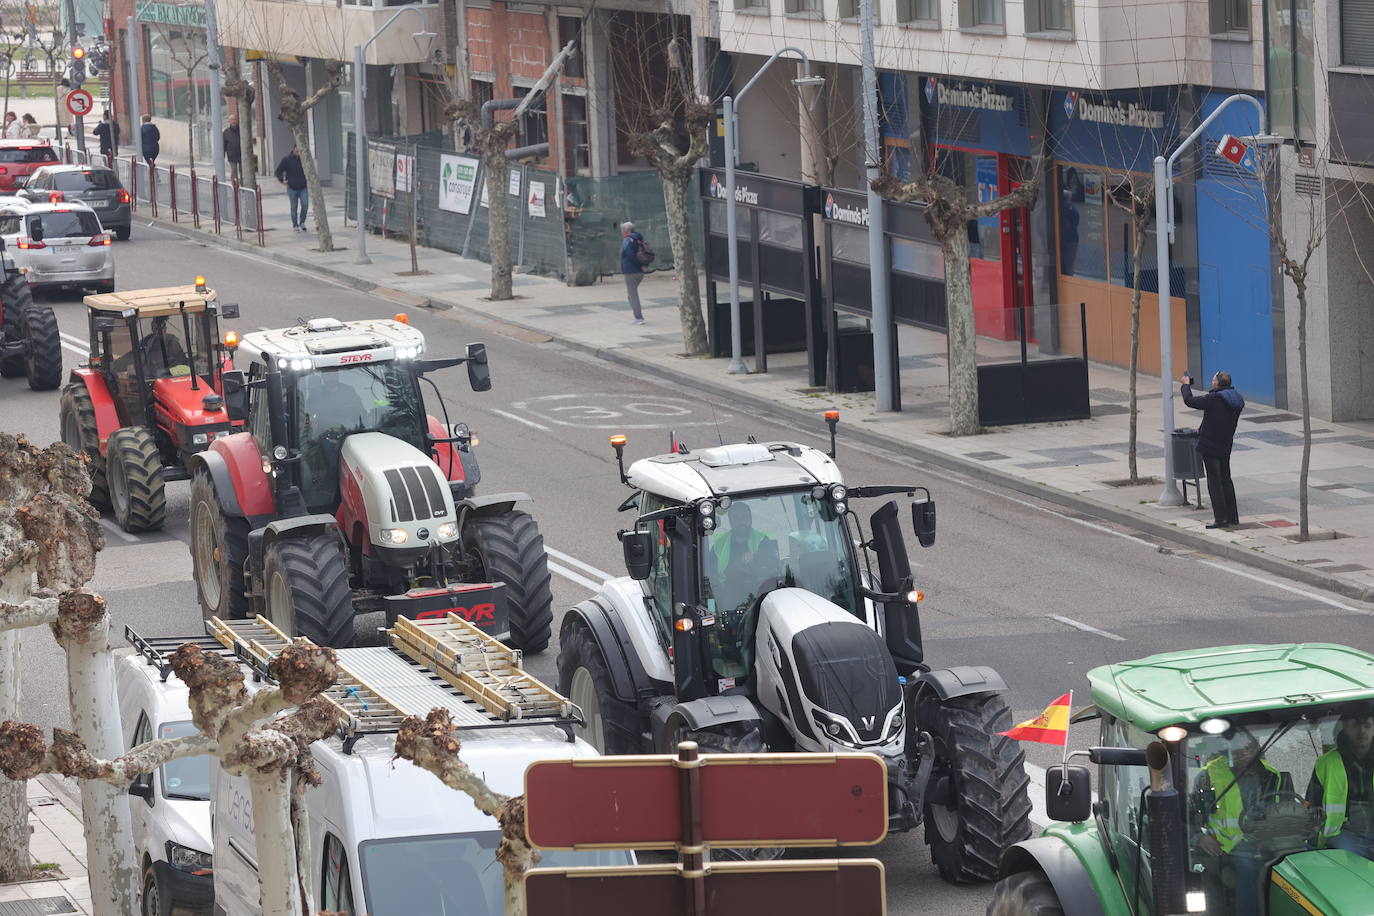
(1137, 249)
(14, 805)
(962, 342)
(191, 126)
(1303, 530)
(498, 224)
(301, 136)
(675, 191)
(104, 807)
(275, 846)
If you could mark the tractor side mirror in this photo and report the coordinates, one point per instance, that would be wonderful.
(235, 394)
(894, 569)
(923, 520)
(228, 310)
(639, 553)
(36, 229)
(105, 324)
(1068, 793)
(479, 373)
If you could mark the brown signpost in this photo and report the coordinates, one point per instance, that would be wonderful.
(689, 803)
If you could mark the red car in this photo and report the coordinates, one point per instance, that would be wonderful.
(18, 159)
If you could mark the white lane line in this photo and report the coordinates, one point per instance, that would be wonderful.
(1288, 588)
(74, 343)
(118, 531)
(574, 561)
(518, 419)
(575, 577)
(1080, 625)
(79, 351)
(1078, 521)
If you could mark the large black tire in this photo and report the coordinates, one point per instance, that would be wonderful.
(305, 584)
(583, 677)
(1027, 893)
(77, 416)
(15, 300)
(122, 233)
(138, 495)
(511, 550)
(219, 549)
(988, 786)
(155, 901)
(43, 360)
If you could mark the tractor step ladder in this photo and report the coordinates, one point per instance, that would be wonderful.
(479, 665)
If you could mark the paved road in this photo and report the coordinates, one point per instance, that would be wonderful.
(1012, 582)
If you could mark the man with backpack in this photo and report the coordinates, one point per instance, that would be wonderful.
(635, 255)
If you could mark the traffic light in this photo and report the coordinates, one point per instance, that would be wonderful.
(78, 68)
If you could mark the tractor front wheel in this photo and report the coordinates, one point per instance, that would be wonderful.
(15, 300)
(138, 495)
(79, 430)
(219, 549)
(584, 678)
(1027, 893)
(510, 549)
(43, 359)
(988, 808)
(307, 589)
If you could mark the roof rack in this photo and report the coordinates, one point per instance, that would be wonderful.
(157, 649)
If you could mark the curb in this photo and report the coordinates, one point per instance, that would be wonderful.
(1072, 501)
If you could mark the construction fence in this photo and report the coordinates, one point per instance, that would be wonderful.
(563, 227)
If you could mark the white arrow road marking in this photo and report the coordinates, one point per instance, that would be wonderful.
(518, 419)
(1288, 588)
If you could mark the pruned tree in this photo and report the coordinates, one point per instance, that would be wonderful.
(1135, 196)
(237, 88)
(189, 53)
(294, 111)
(949, 211)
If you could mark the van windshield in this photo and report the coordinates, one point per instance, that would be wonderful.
(455, 874)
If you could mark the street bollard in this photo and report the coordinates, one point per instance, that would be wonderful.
(133, 182)
(238, 216)
(214, 194)
(152, 189)
(172, 184)
(257, 197)
(195, 201)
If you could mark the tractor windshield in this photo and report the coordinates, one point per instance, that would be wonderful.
(1263, 788)
(167, 353)
(331, 403)
(792, 537)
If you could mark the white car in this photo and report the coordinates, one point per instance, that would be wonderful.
(170, 809)
(58, 244)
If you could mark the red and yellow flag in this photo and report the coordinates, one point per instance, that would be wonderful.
(1050, 727)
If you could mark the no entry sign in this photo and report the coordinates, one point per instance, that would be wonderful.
(79, 102)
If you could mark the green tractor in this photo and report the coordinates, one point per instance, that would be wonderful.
(1207, 800)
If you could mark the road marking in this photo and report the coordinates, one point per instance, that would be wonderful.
(118, 531)
(79, 352)
(74, 343)
(575, 577)
(517, 419)
(1288, 588)
(1080, 625)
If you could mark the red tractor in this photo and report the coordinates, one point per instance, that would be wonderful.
(343, 496)
(29, 342)
(150, 395)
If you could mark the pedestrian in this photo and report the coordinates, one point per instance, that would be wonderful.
(107, 132)
(1221, 407)
(151, 139)
(28, 127)
(635, 254)
(11, 129)
(1342, 785)
(64, 115)
(291, 173)
(232, 152)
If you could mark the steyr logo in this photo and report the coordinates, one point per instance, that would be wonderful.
(355, 358)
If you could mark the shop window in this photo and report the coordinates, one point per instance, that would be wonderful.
(179, 74)
(575, 134)
(1082, 224)
(570, 29)
(716, 213)
(1229, 16)
(1052, 16)
(919, 259)
(1357, 33)
(974, 13)
(1121, 233)
(849, 244)
(779, 230)
(977, 174)
(918, 11)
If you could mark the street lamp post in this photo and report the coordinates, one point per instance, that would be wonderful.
(737, 366)
(1164, 235)
(359, 121)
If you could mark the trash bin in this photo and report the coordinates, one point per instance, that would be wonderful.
(1187, 462)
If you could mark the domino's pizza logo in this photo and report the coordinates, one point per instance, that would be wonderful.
(829, 205)
(716, 190)
(930, 90)
(1070, 100)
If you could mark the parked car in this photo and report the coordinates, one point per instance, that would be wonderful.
(169, 810)
(95, 186)
(57, 245)
(19, 158)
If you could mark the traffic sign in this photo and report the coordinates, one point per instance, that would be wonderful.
(79, 102)
(821, 887)
(746, 800)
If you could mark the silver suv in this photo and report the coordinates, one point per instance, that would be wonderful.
(58, 244)
(93, 185)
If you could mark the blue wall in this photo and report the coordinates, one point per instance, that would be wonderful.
(1234, 267)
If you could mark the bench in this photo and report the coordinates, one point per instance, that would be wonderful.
(36, 76)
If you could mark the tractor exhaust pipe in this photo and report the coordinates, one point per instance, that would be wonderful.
(1164, 805)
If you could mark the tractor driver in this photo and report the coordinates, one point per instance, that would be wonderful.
(1342, 785)
(163, 354)
(738, 558)
(329, 410)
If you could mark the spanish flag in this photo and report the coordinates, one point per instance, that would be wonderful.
(1050, 727)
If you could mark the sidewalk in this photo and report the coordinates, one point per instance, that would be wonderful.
(1076, 464)
(58, 839)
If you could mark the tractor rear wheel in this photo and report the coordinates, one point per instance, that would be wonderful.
(989, 808)
(612, 725)
(510, 549)
(306, 584)
(1027, 893)
(43, 359)
(79, 430)
(219, 549)
(138, 495)
(15, 299)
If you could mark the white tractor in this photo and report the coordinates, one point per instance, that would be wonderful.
(752, 620)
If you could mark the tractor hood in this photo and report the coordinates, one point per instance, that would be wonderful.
(1332, 882)
(392, 486)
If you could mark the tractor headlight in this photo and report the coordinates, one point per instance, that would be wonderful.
(184, 858)
(838, 492)
(706, 507)
(840, 506)
(708, 523)
(447, 530)
(200, 438)
(279, 453)
(301, 365)
(394, 536)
